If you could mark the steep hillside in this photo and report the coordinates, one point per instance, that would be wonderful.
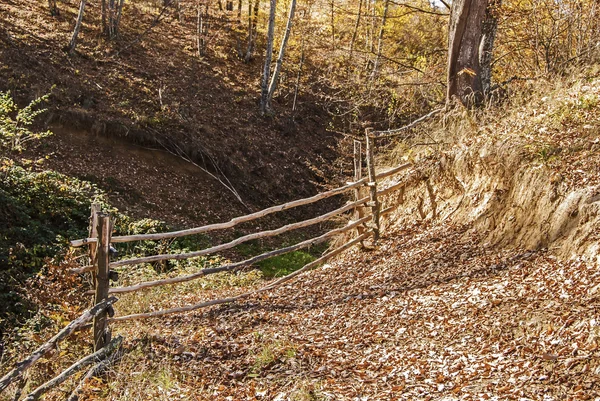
(204, 110)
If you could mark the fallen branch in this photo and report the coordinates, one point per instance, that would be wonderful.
(51, 344)
(246, 294)
(397, 131)
(99, 355)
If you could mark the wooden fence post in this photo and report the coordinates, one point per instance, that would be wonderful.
(358, 212)
(101, 279)
(372, 184)
(93, 233)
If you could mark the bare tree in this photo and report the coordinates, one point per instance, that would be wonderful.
(53, 8)
(73, 41)
(202, 29)
(355, 32)
(267, 69)
(279, 62)
(252, 29)
(380, 38)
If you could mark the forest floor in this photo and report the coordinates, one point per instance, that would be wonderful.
(431, 314)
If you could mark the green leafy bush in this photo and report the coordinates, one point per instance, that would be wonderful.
(15, 122)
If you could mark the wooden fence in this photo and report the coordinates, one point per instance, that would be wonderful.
(366, 213)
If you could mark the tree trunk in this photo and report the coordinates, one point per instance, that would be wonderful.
(118, 19)
(297, 87)
(104, 25)
(490, 25)
(252, 27)
(73, 41)
(200, 32)
(332, 26)
(467, 49)
(239, 12)
(53, 8)
(380, 38)
(279, 62)
(356, 25)
(267, 70)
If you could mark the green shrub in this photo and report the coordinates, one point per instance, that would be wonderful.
(15, 122)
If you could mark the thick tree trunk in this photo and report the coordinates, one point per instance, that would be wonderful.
(267, 70)
(471, 38)
(73, 41)
(279, 62)
(490, 25)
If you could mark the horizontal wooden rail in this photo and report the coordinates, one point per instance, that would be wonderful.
(391, 188)
(246, 294)
(241, 240)
(51, 344)
(393, 171)
(233, 266)
(229, 224)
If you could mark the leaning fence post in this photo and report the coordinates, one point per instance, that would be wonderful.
(372, 184)
(101, 280)
(358, 211)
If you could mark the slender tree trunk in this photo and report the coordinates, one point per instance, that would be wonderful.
(111, 19)
(380, 38)
(465, 36)
(297, 87)
(118, 19)
(355, 32)
(279, 62)
(53, 8)
(239, 12)
(268, 58)
(104, 24)
(73, 41)
(252, 28)
(199, 32)
(332, 25)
